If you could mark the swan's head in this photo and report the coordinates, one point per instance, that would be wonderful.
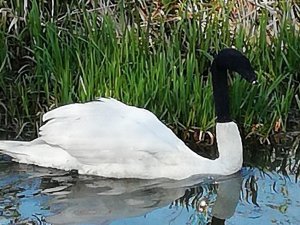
(233, 60)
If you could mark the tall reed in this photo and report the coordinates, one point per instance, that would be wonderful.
(84, 54)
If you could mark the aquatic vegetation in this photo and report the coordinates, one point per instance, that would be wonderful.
(155, 56)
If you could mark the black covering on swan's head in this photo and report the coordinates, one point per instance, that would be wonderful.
(228, 59)
(234, 60)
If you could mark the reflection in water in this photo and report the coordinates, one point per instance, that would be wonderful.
(47, 196)
(94, 200)
(67, 199)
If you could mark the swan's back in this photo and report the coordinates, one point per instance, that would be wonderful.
(108, 129)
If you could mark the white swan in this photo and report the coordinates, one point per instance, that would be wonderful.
(111, 139)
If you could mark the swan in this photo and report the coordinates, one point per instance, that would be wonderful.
(108, 138)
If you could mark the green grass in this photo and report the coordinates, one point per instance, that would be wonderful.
(80, 55)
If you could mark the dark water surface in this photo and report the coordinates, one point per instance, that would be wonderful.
(266, 193)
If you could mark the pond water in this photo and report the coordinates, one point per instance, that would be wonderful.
(267, 193)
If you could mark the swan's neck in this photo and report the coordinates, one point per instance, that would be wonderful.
(229, 146)
(220, 92)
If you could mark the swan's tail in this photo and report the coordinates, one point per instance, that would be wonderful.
(39, 153)
(13, 148)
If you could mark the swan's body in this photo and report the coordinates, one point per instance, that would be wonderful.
(111, 139)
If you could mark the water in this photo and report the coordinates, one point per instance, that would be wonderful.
(269, 195)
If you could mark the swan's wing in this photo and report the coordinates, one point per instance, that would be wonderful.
(104, 130)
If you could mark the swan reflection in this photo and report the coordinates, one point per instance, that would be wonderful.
(94, 200)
